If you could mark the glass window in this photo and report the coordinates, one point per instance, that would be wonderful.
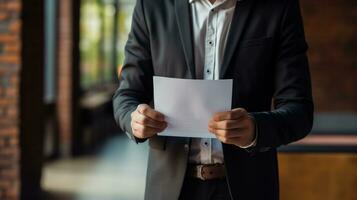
(126, 8)
(96, 42)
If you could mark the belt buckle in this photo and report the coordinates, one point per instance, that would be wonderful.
(200, 172)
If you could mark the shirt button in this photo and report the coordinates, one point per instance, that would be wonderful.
(210, 42)
(208, 72)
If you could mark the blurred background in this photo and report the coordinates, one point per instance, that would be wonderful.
(59, 61)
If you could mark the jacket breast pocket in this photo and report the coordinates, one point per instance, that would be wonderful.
(256, 42)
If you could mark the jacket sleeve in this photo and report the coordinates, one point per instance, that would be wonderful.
(292, 116)
(136, 75)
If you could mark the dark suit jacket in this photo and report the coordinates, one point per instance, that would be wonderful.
(266, 58)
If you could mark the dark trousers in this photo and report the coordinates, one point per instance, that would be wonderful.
(196, 189)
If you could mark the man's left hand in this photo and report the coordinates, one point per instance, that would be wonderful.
(233, 127)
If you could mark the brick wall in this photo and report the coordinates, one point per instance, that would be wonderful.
(9, 97)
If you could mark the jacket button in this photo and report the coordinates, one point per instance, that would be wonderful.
(186, 146)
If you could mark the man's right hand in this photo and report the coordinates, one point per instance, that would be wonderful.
(146, 122)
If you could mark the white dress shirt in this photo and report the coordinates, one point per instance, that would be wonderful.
(211, 23)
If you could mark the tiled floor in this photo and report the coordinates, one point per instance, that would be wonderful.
(117, 173)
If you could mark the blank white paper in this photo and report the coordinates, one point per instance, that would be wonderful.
(189, 104)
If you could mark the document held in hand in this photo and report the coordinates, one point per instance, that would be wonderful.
(189, 104)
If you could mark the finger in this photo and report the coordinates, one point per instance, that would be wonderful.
(144, 131)
(225, 124)
(227, 133)
(229, 115)
(135, 127)
(226, 140)
(222, 139)
(146, 121)
(149, 112)
(242, 122)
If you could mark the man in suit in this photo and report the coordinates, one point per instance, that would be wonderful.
(260, 44)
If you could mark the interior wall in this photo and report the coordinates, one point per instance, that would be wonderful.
(10, 65)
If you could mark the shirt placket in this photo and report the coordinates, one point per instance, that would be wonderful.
(209, 67)
(210, 46)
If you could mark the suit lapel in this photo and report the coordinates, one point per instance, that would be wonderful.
(185, 30)
(239, 21)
